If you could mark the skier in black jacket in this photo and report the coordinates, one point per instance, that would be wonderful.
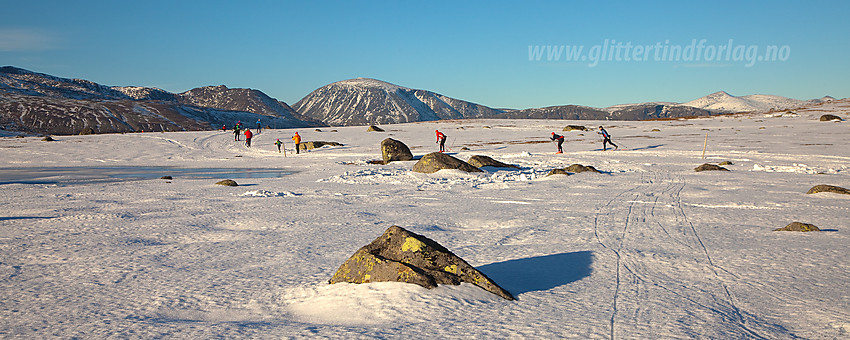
(560, 140)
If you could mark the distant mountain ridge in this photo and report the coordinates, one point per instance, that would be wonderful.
(722, 102)
(365, 101)
(40, 103)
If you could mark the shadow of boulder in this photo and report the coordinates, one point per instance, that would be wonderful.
(540, 272)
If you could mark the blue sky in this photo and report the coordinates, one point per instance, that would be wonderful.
(471, 50)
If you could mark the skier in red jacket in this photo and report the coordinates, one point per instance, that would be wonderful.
(441, 138)
(248, 136)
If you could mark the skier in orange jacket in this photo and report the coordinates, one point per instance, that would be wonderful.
(297, 140)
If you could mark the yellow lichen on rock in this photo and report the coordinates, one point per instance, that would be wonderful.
(451, 269)
(412, 244)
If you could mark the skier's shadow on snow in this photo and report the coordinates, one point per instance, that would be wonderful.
(540, 272)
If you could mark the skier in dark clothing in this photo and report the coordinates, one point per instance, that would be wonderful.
(236, 133)
(441, 138)
(248, 136)
(259, 128)
(560, 140)
(606, 138)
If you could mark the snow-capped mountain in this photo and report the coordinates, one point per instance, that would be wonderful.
(722, 102)
(364, 101)
(39, 103)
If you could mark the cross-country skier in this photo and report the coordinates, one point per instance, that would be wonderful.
(441, 138)
(248, 136)
(236, 132)
(560, 139)
(259, 128)
(278, 143)
(297, 140)
(606, 138)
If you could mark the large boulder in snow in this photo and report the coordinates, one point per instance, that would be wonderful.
(373, 128)
(315, 145)
(393, 150)
(828, 188)
(479, 161)
(437, 161)
(829, 118)
(576, 168)
(402, 256)
(798, 226)
(576, 128)
(710, 167)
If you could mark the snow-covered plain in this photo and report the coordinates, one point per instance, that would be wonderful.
(648, 249)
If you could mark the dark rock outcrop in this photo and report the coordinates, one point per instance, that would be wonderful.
(480, 161)
(437, 161)
(576, 168)
(828, 118)
(828, 188)
(798, 226)
(558, 172)
(710, 167)
(228, 182)
(394, 150)
(373, 128)
(315, 145)
(576, 128)
(725, 163)
(48, 139)
(402, 256)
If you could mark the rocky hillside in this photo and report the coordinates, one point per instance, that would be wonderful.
(365, 101)
(37, 103)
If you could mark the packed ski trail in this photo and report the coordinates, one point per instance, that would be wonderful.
(661, 263)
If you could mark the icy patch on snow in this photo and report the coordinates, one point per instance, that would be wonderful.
(443, 178)
(796, 168)
(377, 303)
(265, 193)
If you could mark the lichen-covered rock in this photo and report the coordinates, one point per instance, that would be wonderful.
(575, 128)
(798, 226)
(402, 256)
(166, 177)
(576, 168)
(228, 182)
(725, 163)
(437, 161)
(479, 161)
(558, 172)
(373, 128)
(87, 131)
(828, 188)
(315, 145)
(394, 150)
(48, 139)
(710, 167)
(827, 118)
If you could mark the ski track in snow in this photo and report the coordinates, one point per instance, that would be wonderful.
(622, 225)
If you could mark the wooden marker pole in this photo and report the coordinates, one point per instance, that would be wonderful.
(704, 145)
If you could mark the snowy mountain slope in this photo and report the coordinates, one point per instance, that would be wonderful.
(726, 103)
(42, 104)
(649, 249)
(365, 101)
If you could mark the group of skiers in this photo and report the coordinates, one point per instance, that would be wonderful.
(441, 138)
(606, 139)
(239, 130)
